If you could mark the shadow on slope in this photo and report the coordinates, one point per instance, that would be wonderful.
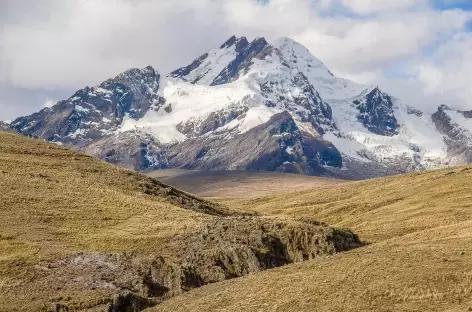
(79, 234)
(420, 258)
(239, 184)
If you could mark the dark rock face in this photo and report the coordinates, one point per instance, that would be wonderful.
(466, 114)
(456, 139)
(215, 120)
(240, 47)
(184, 71)
(228, 247)
(93, 113)
(133, 150)
(443, 122)
(307, 105)
(240, 43)
(244, 57)
(55, 123)
(414, 111)
(137, 91)
(277, 145)
(376, 113)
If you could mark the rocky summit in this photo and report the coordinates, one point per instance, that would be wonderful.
(253, 105)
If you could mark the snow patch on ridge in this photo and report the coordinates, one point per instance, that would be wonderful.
(417, 138)
(292, 57)
(186, 101)
(461, 121)
(256, 116)
(212, 66)
(346, 146)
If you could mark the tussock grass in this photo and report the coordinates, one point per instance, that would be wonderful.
(77, 233)
(55, 202)
(381, 208)
(72, 197)
(419, 258)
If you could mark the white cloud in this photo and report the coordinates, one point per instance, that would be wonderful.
(49, 103)
(448, 73)
(83, 41)
(70, 44)
(369, 44)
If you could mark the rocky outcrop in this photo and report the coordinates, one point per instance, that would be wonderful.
(466, 114)
(376, 113)
(184, 71)
(299, 96)
(457, 139)
(132, 149)
(195, 128)
(93, 113)
(227, 248)
(243, 58)
(5, 127)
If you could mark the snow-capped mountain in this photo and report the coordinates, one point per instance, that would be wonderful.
(456, 126)
(253, 105)
(4, 126)
(93, 113)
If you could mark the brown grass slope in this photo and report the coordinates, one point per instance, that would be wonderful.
(77, 234)
(419, 259)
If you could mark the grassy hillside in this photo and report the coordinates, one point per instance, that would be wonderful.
(419, 259)
(380, 208)
(79, 234)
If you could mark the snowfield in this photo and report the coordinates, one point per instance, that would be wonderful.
(416, 139)
(207, 114)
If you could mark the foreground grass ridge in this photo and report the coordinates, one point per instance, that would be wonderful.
(78, 234)
(419, 227)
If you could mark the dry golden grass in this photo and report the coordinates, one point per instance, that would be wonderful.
(55, 202)
(86, 203)
(419, 259)
(76, 232)
(380, 208)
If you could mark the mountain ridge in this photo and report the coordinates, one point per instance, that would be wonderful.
(223, 94)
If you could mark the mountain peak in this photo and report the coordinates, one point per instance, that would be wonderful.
(219, 101)
(242, 42)
(300, 57)
(443, 107)
(285, 41)
(208, 66)
(243, 59)
(138, 72)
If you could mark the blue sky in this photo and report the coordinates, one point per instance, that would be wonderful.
(465, 5)
(458, 4)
